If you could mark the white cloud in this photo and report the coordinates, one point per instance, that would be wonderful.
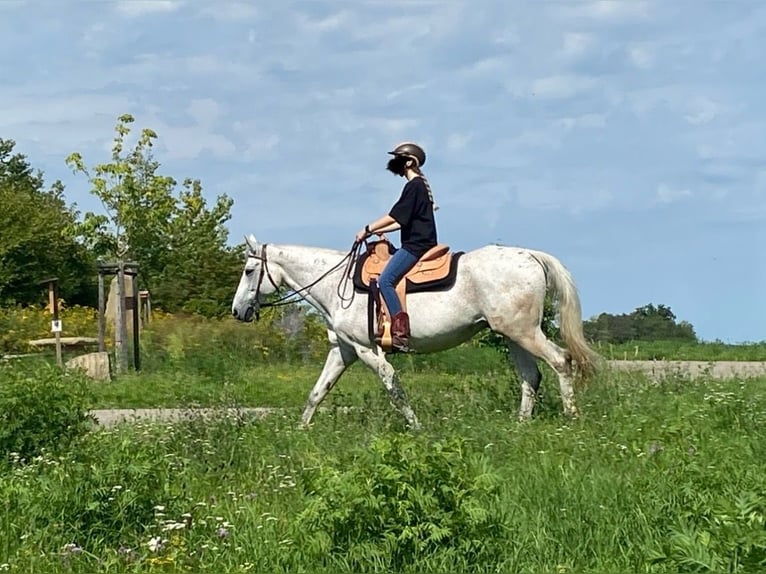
(456, 142)
(641, 56)
(572, 107)
(702, 110)
(575, 45)
(606, 11)
(190, 142)
(583, 121)
(205, 111)
(668, 194)
(491, 66)
(230, 11)
(406, 90)
(259, 147)
(561, 86)
(135, 8)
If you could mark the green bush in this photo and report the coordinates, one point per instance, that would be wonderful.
(42, 408)
(728, 536)
(401, 502)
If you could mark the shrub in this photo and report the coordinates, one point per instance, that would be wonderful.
(18, 325)
(41, 408)
(401, 502)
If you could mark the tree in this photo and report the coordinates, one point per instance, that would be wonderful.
(178, 242)
(38, 237)
(646, 323)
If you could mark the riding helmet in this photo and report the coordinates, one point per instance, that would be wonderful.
(411, 150)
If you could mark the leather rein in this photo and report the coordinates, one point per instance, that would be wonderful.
(350, 259)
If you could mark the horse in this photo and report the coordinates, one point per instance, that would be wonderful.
(497, 287)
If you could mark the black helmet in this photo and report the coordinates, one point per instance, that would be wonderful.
(409, 149)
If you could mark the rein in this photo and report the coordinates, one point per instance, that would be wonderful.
(349, 259)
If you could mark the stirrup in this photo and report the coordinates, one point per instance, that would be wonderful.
(398, 347)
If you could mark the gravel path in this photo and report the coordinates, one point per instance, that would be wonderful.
(715, 369)
(655, 369)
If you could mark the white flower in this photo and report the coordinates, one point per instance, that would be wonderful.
(156, 543)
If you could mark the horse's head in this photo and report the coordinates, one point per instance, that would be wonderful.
(257, 280)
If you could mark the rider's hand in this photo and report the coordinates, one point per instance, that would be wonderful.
(362, 235)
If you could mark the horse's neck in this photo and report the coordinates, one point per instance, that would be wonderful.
(302, 266)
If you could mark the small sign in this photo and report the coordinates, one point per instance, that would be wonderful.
(56, 326)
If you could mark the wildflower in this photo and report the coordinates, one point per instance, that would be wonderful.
(71, 548)
(222, 532)
(128, 553)
(156, 543)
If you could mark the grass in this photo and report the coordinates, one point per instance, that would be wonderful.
(683, 351)
(652, 478)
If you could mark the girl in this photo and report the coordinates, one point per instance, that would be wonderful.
(413, 214)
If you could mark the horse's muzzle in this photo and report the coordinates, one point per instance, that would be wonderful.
(247, 317)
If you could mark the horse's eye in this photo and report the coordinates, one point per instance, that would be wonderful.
(249, 272)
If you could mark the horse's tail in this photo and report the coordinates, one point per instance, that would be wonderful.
(570, 313)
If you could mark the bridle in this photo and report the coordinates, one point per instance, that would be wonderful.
(351, 256)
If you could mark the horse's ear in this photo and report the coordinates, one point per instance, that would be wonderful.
(251, 242)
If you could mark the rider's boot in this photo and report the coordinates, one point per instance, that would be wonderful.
(400, 332)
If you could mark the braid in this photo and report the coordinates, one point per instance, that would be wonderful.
(428, 188)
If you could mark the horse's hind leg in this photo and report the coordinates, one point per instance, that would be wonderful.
(530, 376)
(531, 338)
(539, 345)
(341, 355)
(390, 380)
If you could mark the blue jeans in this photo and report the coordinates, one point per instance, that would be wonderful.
(401, 262)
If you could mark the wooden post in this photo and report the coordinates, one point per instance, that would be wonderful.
(120, 328)
(55, 323)
(134, 305)
(146, 306)
(136, 344)
(101, 313)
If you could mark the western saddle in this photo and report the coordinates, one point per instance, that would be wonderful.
(433, 269)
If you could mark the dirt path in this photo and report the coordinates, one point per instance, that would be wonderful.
(654, 369)
(715, 369)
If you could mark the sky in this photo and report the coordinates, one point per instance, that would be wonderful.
(624, 137)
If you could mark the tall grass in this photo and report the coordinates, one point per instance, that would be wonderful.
(652, 478)
(683, 351)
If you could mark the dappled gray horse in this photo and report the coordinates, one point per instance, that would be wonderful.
(502, 288)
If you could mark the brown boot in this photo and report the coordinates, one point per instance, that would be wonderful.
(400, 332)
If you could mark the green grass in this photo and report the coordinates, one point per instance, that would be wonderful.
(264, 384)
(652, 478)
(682, 351)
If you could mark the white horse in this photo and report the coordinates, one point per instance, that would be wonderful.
(502, 288)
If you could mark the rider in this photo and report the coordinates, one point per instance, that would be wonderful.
(413, 214)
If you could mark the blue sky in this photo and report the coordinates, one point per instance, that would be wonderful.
(624, 137)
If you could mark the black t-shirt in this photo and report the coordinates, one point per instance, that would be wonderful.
(415, 213)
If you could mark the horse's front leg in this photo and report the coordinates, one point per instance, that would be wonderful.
(341, 356)
(390, 380)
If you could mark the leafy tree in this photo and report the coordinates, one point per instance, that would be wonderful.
(646, 323)
(38, 237)
(177, 240)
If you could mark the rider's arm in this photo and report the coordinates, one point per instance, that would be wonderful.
(383, 225)
(388, 228)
